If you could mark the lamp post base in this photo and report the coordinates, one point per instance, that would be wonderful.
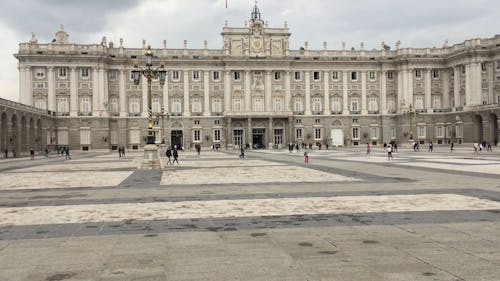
(150, 160)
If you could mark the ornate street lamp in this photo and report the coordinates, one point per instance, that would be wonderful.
(411, 113)
(151, 159)
(150, 73)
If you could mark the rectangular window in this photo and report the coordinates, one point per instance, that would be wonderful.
(237, 105)
(85, 73)
(317, 106)
(196, 75)
(197, 135)
(216, 105)
(374, 133)
(355, 133)
(393, 133)
(278, 104)
(421, 132)
(435, 73)
(297, 75)
(298, 133)
(175, 75)
(84, 136)
(439, 132)
(216, 75)
(371, 75)
(390, 75)
(237, 76)
(134, 106)
(459, 131)
(335, 75)
(298, 121)
(316, 75)
(196, 106)
(62, 72)
(354, 76)
(354, 104)
(216, 135)
(62, 105)
(317, 133)
(436, 101)
(113, 105)
(155, 105)
(85, 105)
(483, 67)
(277, 75)
(112, 75)
(418, 73)
(176, 106)
(297, 104)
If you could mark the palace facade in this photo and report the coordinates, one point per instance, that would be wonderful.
(255, 91)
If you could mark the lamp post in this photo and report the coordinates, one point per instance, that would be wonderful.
(151, 159)
(149, 73)
(411, 113)
(162, 115)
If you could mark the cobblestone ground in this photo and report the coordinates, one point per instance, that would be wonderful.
(344, 216)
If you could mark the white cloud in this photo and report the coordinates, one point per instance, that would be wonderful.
(424, 23)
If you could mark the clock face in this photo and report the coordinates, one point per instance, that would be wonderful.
(256, 44)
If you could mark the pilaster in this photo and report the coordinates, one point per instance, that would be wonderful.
(73, 92)
(428, 89)
(268, 92)
(206, 93)
(122, 94)
(307, 79)
(187, 109)
(345, 96)
(364, 111)
(383, 92)
(326, 85)
(52, 89)
(227, 91)
(288, 93)
(247, 92)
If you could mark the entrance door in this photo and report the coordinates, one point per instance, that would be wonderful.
(238, 137)
(176, 139)
(278, 137)
(337, 137)
(258, 139)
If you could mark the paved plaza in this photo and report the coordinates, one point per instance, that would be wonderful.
(344, 216)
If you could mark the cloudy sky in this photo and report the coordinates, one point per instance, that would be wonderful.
(423, 23)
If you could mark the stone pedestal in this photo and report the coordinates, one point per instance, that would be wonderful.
(150, 160)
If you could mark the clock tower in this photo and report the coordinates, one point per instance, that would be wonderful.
(256, 39)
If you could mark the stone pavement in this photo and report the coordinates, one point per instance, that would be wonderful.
(343, 216)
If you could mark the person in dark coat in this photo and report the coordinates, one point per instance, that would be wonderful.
(169, 154)
(175, 154)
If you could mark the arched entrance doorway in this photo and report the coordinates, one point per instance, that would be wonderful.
(176, 136)
(478, 134)
(493, 128)
(337, 134)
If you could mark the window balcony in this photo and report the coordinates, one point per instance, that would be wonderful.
(357, 112)
(84, 113)
(317, 112)
(373, 112)
(134, 114)
(298, 113)
(336, 112)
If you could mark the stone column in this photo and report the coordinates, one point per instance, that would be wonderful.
(428, 90)
(122, 94)
(383, 92)
(409, 87)
(103, 92)
(345, 96)
(364, 110)
(227, 91)
(229, 140)
(400, 93)
(491, 83)
(248, 94)
(445, 75)
(206, 93)
(307, 79)
(187, 109)
(456, 87)
(249, 132)
(326, 108)
(73, 92)
(268, 92)
(166, 102)
(144, 97)
(52, 89)
(22, 85)
(28, 88)
(270, 134)
(288, 93)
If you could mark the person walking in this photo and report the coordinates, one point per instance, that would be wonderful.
(368, 149)
(389, 152)
(47, 151)
(242, 153)
(6, 153)
(32, 153)
(66, 152)
(169, 154)
(306, 157)
(476, 148)
(431, 146)
(175, 154)
(123, 151)
(452, 147)
(120, 151)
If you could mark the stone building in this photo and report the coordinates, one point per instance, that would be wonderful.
(255, 91)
